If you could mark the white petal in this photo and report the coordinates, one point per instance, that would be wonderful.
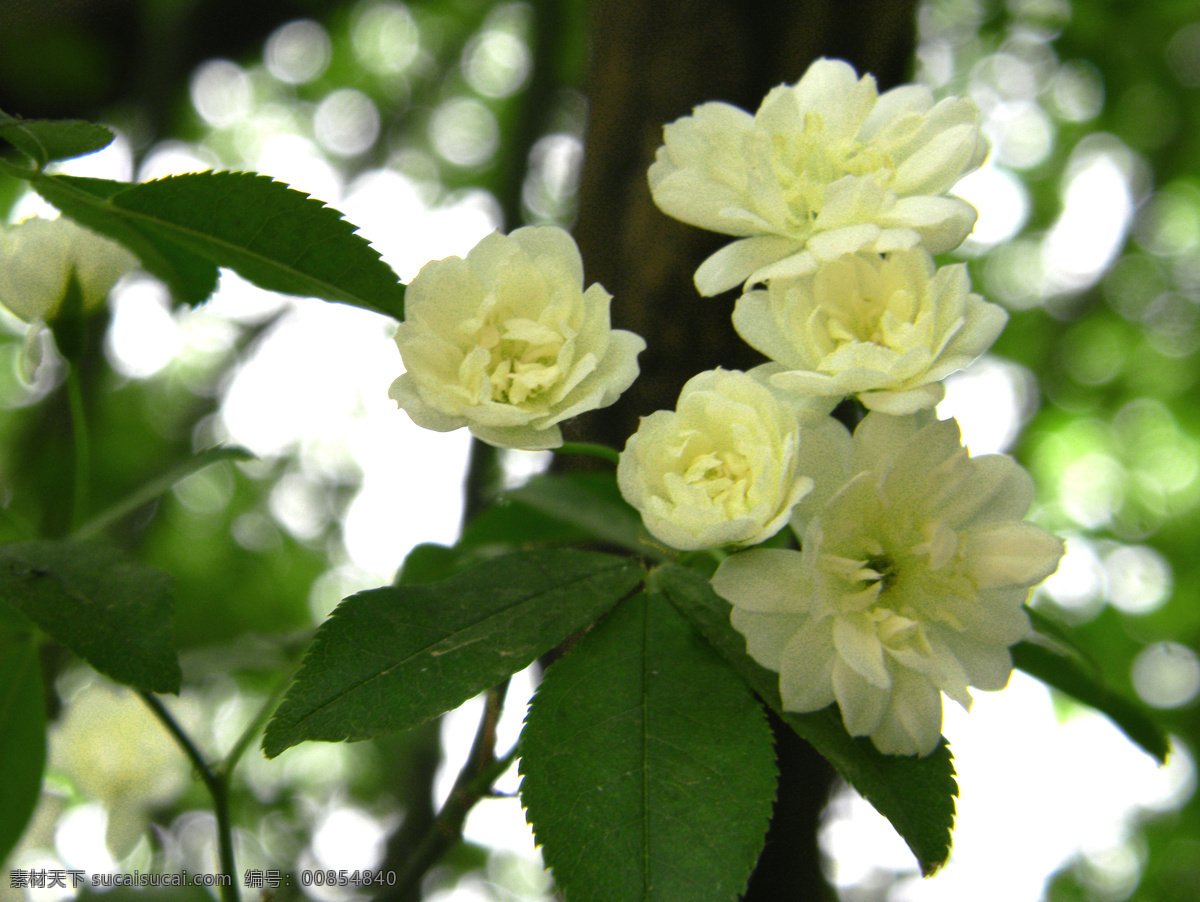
(767, 635)
(404, 392)
(765, 580)
(898, 403)
(858, 645)
(806, 669)
(523, 438)
(863, 704)
(733, 264)
(1012, 553)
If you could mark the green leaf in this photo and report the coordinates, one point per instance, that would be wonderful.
(391, 658)
(276, 237)
(185, 226)
(46, 140)
(22, 732)
(428, 562)
(915, 794)
(590, 502)
(648, 767)
(1069, 673)
(108, 609)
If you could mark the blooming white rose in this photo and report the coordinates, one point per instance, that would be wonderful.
(720, 469)
(37, 257)
(827, 166)
(887, 329)
(507, 342)
(914, 570)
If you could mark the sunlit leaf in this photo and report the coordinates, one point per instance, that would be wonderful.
(648, 765)
(915, 794)
(47, 140)
(112, 611)
(391, 658)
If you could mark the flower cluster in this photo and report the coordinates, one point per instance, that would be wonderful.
(914, 560)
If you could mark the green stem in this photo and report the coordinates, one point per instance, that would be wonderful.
(590, 449)
(79, 431)
(218, 787)
(482, 769)
(252, 730)
(156, 487)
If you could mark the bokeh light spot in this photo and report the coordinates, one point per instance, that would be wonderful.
(346, 122)
(220, 92)
(496, 63)
(464, 131)
(298, 52)
(1166, 675)
(1139, 579)
(385, 37)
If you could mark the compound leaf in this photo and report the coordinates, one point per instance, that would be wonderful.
(648, 766)
(391, 658)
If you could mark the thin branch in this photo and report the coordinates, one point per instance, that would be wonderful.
(217, 787)
(252, 730)
(79, 431)
(475, 780)
(156, 487)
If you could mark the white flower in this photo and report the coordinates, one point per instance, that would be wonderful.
(507, 342)
(825, 167)
(720, 469)
(887, 329)
(914, 570)
(37, 257)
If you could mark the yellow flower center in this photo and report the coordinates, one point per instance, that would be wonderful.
(725, 476)
(524, 357)
(805, 162)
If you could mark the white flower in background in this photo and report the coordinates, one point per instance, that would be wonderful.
(720, 469)
(37, 257)
(915, 567)
(887, 329)
(827, 166)
(507, 342)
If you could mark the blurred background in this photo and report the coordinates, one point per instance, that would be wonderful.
(433, 122)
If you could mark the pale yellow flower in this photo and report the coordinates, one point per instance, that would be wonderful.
(720, 469)
(827, 166)
(507, 343)
(915, 566)
(38, 256)
(886, 329)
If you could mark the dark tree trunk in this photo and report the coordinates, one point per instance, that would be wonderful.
(652, 62)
